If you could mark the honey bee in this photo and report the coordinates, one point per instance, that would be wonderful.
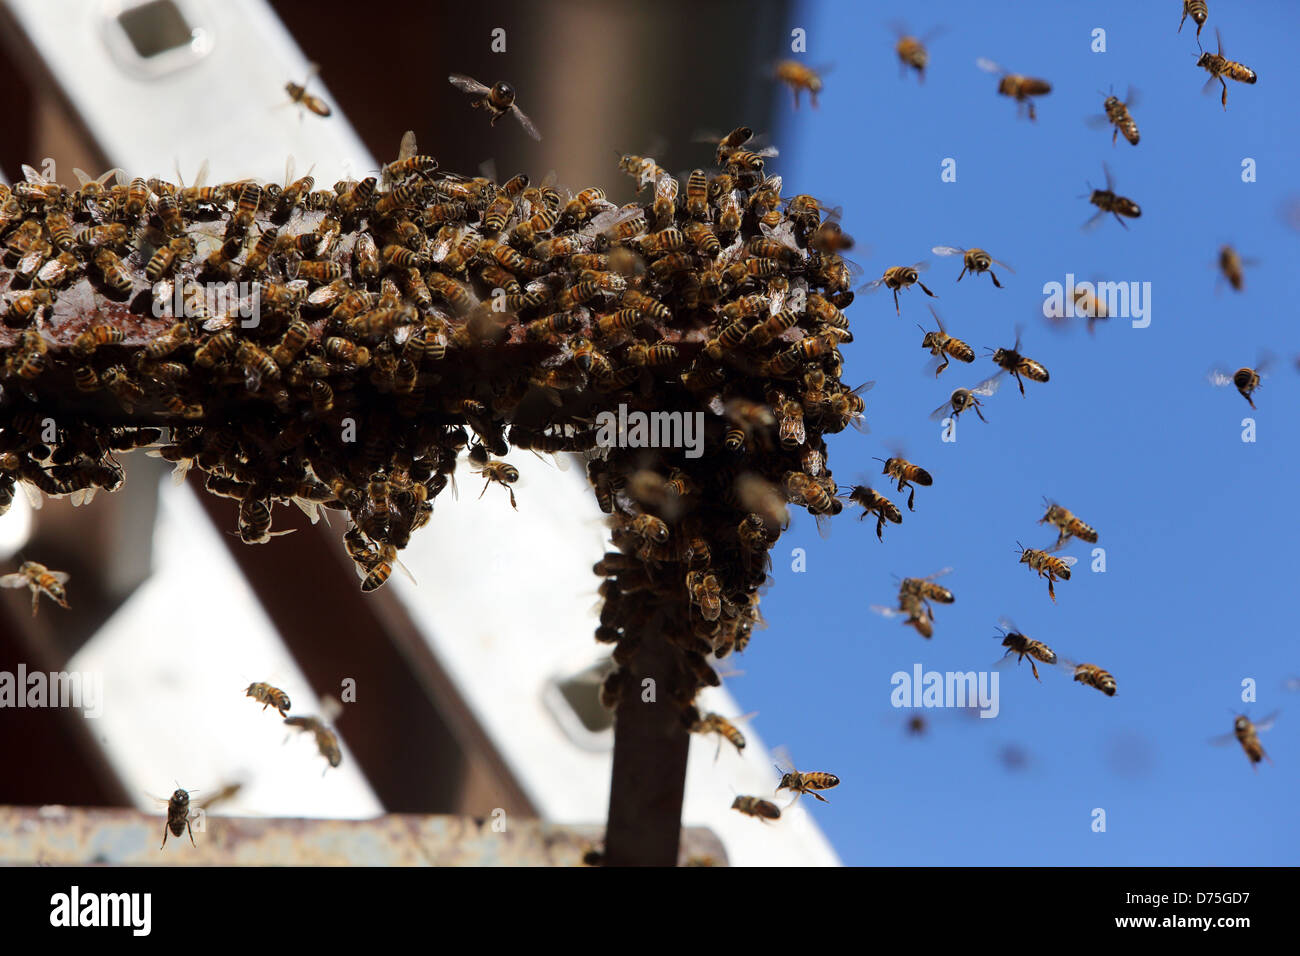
(973, 260)
(1117, 114)
(41, 580)
(126, 390)
(904, 472)
(269, 696)
(799, 77)
(1010, 360)
(764, 810)
(873, 502)
(503, 474)
(165, 257)
(942, 345)
(327, 742)
(1068, 525)
(810, 783)
(1107, 201)
(91, 190)
(1199, 13)
(761, 497)
(298, 94)
(1094, 676)
(1230, 267)
(1020, 645)
(925, 590)
(728, 144)
(1245, 380)
(964, 398)
(1246, 732)
(1047, 565)
(257, 365)
(498, 100)
(1018, 87)
(29, 305)
(911, 51)
(408, 162)
(115, 275)
(1219, 66)
(178, 817)
(294, 340)
(900, 277)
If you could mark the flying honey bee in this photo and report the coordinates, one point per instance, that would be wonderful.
(900, 277)
(1246, 732)
(1010, 360)
(327, 742)
(904, 472)
(725, 729)
(1022, 646)
(1199, 13)
(503, 474)
(1094, 676)
(1108, 201)
(799, 77)
(1116, 113)
(1019, 88)
(873, 502)
(1230, 267)
(801, 783)
(1245, 380)
(973, 261)
(41, 580)
(298, 94)
(943, 346)
(1068, 525)
(1219, 66)
(764, 810)
(963, 398)
(498, 100)
(1047, 565)
(269, 696)
(178, 817)
(911, 50)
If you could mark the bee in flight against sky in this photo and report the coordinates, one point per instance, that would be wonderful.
(900, 277)
(765, 810)
(1068, 525)
(1108, 201)
(873, 502)
(1020, 88)
(1047, 565)
(1219, 66)
(1246, 380)
(911, 50)
(973, 261)
(942, 346)
(1230, 267)
(1117, 114)
(1094, 676)
(904, 472)
(799, 77)
(41, 580)
(1020, 645)
(964, 398)
(801, 783)
(1246, 732)
(1199, 13)
(1010, 360)
(498, 100)
(298, 94)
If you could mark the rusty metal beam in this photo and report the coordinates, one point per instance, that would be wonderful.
(65, 836)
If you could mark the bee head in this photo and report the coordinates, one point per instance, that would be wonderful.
(503, 92)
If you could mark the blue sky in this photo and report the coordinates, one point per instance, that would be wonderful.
(1198, 527)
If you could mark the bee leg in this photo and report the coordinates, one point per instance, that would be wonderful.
(36, 597)
(963, 272)
(164, 842)
(980, 414)
(896, 308)
(818, 796)
(993, 276)
(910, 499)
(1034, 668)
(941, 367)
(190, 832)
(880, 529)
(512, 498)
(925, 290)
(1021, 383)
(1115, 135)
(1051, 591)
(1224, 100)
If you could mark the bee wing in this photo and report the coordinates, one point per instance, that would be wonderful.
(1098, 120)
(988, 386)
(467, 83)
(1221, 739)
(34, 496)
(873, 285)
(34, 176)
(408, 148)
(864, 387)
(61, 576)
(888, 611)
(1267, 723)
(397, 563)
(937, 574)
(1068, 560)
(941, 411)
(1219, 377)
(525, 122)
(13, 581)
(330, 709)
(920, 266)
(988, 66)
(948, 251)
(1110, 180)
(1002, 264)
(1094, 219)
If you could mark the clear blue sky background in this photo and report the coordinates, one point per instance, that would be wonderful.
(1199, 528)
